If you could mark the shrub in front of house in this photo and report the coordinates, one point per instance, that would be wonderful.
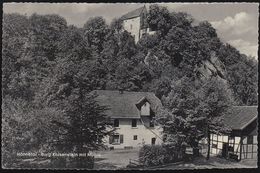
(173, 153)
(153, 155)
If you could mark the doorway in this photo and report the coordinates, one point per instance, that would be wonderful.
(225, 150)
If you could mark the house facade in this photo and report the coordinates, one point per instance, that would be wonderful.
(132, 115)
(241, 143)
(135, 23)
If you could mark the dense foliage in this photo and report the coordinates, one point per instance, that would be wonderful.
(193, 110)
(154, 155)
(50, 68)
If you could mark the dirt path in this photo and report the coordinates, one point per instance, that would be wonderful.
(114, 159)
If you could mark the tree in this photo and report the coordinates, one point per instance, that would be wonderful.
(36, 49)
(179, 119)
(242, 74)
(86, 124)
(189, 106)
(95, 30)
(243, 79)
(161, 87)
(68, 89)
(15, 35)
(159, 18)
(215, 101)
(120, 59)
(116, 25)
(85, 121)
(26, 128)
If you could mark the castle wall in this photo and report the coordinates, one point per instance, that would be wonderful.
(133, 26)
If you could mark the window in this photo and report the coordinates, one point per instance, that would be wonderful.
(214, 145)
(153, 141)
(250, 140)
(131, 26)
(134, 123)
(116, 123)
(135, 137)
(116, 139)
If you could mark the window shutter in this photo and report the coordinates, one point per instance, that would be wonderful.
(110, 139)
(121, 139)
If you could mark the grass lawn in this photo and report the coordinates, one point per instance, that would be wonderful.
(114, 159)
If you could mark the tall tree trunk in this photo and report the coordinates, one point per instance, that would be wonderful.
(208, 136)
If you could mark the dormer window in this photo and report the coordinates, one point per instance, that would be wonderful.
(145, 109)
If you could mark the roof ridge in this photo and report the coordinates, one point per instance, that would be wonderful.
(134, 13)
(127, 91)
(240, 116)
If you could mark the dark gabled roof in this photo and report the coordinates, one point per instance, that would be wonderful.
(124, 105)
(240, 117)
(133, 14)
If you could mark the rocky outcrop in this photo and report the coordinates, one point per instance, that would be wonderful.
(212, 67)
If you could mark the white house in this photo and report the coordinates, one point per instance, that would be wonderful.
(135, 23)
(241, 143)
(132, 115)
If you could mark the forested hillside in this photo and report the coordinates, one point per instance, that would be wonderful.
(48, 66)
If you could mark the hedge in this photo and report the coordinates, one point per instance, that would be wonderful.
(153, 155)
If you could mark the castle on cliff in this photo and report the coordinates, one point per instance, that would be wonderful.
(135, 22)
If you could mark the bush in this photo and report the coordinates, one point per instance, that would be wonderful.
(174, 153)
(153, 155)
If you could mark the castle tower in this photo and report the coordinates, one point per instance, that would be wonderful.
(135, 22)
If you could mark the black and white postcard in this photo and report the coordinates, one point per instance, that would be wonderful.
(129, 86)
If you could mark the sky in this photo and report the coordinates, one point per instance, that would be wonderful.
(235, 23)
